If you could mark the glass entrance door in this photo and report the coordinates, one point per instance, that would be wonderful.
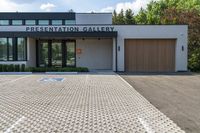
(56, 54)
(43, 54)
(71, 54)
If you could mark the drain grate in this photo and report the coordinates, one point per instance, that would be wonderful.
(52, 79)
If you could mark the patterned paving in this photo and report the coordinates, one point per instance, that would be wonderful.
(93, 103)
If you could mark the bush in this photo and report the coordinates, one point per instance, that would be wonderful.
(23, 68)
(17, 68)
(194, 60)
(4, 68)
(10, 68)
(1, 68)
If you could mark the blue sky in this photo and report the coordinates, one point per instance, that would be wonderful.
(66, 5)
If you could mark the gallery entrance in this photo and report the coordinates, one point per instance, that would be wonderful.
(56, 53)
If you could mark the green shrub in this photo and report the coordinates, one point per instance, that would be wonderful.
(4, 68)
(17, 68)
(10, 68)
(194, 60)
(23, 68)
(1, 68)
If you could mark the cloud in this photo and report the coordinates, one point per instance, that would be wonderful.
(47, 7)
(135, 5)
(107, 9)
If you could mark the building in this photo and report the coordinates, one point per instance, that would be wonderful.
(90, 40)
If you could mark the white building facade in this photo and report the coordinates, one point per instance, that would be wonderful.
(90, 40)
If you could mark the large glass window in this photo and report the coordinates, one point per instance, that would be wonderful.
(43, 22)
(10, 49)
(4, 22)
(56, 22)
(16, 22)
(30, 22)
(71, 53)
(68, 22)
(3, 49)
(21, 49)
(43, 53)
(57, 53)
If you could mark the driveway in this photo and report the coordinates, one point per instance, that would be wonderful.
(98, 102)
(177, 96)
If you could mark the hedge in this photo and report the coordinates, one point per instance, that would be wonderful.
(23, 68)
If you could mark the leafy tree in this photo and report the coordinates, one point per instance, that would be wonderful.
(120, 17)
(129, 17)
(114, 18)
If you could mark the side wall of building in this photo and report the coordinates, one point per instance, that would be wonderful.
(178, 32)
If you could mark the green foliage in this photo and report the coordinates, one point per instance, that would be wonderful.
(17, 68)
(53, 69)
(129, 19)
(23, 68)
(194, 60)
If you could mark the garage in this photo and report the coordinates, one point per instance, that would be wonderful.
(150, 55)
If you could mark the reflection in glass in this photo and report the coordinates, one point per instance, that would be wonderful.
(3, 49)
(70, 53)
(21, 49)
(57, 53)
(43, 54)
(10, 49)
(16, 22)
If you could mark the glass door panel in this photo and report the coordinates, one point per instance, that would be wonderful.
(71, 56)
(57, 54)
(43, 54)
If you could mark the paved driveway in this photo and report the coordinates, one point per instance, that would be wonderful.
(177, 96)
(79, 103)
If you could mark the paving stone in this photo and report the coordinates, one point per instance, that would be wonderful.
(80, 103)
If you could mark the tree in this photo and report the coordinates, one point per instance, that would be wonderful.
(114, 18)
(120, 17)
(192, 18)
(129, 17)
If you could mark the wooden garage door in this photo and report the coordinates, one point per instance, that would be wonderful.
(150, 55)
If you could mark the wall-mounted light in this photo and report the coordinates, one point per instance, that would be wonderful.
(183, 48)
(118, 48)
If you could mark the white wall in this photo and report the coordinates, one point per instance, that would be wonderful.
(96, 54)
(178, 32)
(93, 18)
(31, 52)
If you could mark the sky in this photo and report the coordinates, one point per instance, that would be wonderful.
(75, 5)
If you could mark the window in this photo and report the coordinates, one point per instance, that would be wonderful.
(4, 22)
(10, 49)
(68, 22)
(30, 22)
(16, 22)
(21, 49)
(3, 49)
(71, 54)
(43, 22)
(56, 22)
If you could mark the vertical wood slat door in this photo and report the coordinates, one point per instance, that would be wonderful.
(150, 55)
